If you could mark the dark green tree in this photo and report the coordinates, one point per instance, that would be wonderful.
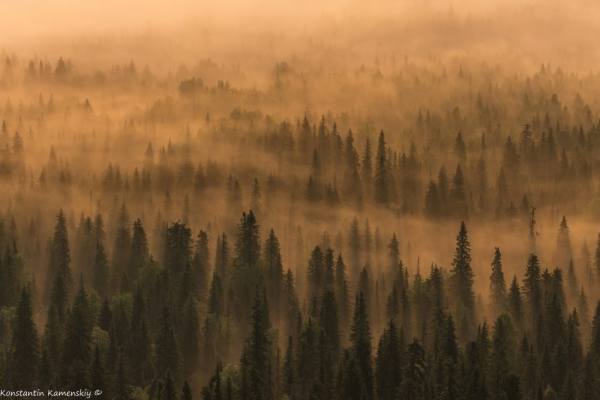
(178, 249)
(497, 285)
(76, 354)
(388, 363)
(25, 344)
(381, 173)
(462, 274)
(360, 339)
(247, 246)
(139, 249)
(168, 356)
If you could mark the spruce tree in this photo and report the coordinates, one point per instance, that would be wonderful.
(329, 320)
(25, 344)
(76, 353)
(288, 373)
(215, 296)
(190, 336)
(101, 273)
(168, 356)
(222, 257)
(497, 285)
(533, 290)
(381, 173)
(462, 274)
(274, 269)
(563, 245)
(255, 354)
(140, 350)
(515, 302)
(186, 392)
(121, 388)
(247, 246)
(388, 363)
(315, 272)
(139, 249)
(60, 257)
(413, 384)
(360, 339)
(98, 374)
(200, 265)
(178, 249)
(342, 292)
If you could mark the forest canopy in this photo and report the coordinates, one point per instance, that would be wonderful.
(393, 202)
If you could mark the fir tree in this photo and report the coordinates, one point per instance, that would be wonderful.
(178, 249)
(288, 374)
(168, 356)
(255, 354)
(247, 246)
(329, 319)
(388, 364)
(139, 249)
(381, 173)
(25, 344)
(360, 339)
(497, 285)
(76, 352)
(462, 274)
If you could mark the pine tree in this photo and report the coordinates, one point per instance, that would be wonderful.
(458, 199)
(255, 354)
(169, 392)
(140, 350)
(25, 344)
(415, 373)
(504, 351)
(215, 296)
(563, 244)
(360, 339)
(60, 257)
(462, 274)
(168, 356)
(381, 173)
(315, 273)
(342, 292)
(76, 353)
(190, 336)
(584, 316)
(354, 246)
(247, 246)
(288, 373)
(532, 289)
(329, 320)
(200, 264)
(121, 387)
(122, 251)
(186, 393)
(274, 266)
(101, 273)
(515, 302)
(178, 249)
(497, 285)
(98, 373)
(367, 167)
(388, 363)
(222, 257)
(255, 201)
(139, 249)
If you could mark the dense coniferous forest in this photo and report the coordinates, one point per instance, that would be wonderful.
(315, 220)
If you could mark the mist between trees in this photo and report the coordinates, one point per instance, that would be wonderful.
(303, 208)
